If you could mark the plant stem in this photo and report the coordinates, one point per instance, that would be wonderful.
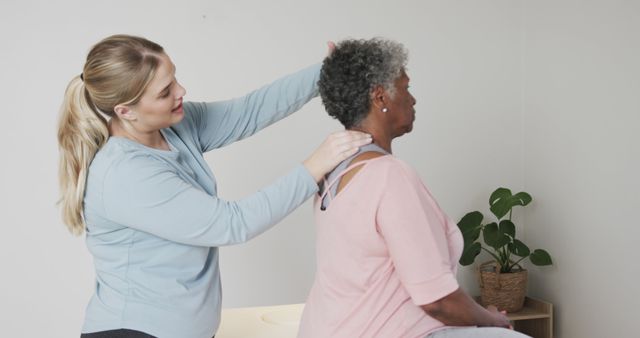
(503, 257)
(506, 254)
(518, 261)
(492, 254)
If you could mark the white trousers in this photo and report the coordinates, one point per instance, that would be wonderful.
(476, 332)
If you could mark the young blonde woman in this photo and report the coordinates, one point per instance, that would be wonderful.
(138, 184)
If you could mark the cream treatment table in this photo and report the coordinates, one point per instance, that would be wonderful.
(280, 321)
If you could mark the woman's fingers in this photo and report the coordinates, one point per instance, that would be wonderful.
(337, 147)
(348, 142)
(331, 46)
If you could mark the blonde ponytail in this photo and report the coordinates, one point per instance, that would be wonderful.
(81, 133)
(117, 71)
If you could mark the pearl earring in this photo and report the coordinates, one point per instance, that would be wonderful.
(384, 110)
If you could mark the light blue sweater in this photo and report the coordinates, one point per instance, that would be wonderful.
(154, 220)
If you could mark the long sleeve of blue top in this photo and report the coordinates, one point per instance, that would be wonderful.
(154, 220)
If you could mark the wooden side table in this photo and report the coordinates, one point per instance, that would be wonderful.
(534, 319)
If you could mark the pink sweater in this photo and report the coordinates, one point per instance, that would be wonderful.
(384, 247)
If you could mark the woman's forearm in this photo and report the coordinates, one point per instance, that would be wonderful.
(459, 309)
(221, 123)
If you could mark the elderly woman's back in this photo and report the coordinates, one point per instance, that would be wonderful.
(386, 253)
(374, 241)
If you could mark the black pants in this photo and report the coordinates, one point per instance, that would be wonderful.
(121, 333)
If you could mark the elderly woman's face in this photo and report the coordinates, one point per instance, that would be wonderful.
(401, 111)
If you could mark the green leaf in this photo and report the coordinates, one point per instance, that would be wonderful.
(471, 236)
(493, 237)
(523, 198)
(501, 201)
(502, 241)
(470, 226)
(490, 233)
(498, 194)
(469, 254)
(471, 220)
(540, 257)
(519, 249)
(508, 228)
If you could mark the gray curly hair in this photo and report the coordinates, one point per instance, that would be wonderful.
(353, 71)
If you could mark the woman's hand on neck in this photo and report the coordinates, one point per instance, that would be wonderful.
(380, 137)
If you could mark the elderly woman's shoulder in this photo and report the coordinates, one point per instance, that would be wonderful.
(382, 160)
(393, 166)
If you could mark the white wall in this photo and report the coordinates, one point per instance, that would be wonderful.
(466, 61)
(464, 65)
(582, 113)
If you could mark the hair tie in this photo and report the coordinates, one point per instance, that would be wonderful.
(82, 77)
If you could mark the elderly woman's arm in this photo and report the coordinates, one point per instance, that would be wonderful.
(416, 233)
(458, 309)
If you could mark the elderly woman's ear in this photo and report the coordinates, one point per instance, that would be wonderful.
(379, 99)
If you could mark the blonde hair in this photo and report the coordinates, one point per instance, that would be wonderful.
(117, 71)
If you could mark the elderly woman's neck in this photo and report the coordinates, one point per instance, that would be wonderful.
(380, 137)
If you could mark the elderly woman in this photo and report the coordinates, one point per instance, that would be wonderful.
(386, 252)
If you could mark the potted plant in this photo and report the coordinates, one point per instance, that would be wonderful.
(503, 281)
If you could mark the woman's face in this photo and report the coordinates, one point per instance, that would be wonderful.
(400, 110)
(161, 104)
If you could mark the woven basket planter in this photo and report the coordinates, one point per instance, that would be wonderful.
(506, 291)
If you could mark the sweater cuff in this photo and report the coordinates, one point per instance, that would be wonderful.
(315, 69)
(306, 177)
